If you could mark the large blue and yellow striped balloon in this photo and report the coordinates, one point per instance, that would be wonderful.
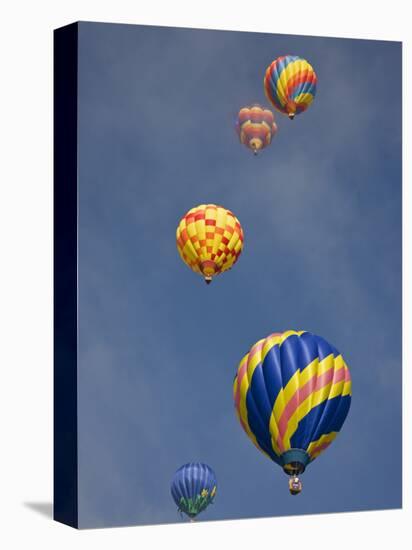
(292, 393)
(290, 84)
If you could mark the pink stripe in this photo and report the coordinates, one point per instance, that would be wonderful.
(243, 370)
(320, 448)
(240, 374)
(314, 384)
(254, 350)
(340, 375)
(273, 334)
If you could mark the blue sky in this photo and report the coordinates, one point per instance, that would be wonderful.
(321, 213)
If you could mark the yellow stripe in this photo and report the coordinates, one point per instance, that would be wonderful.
(188, 248)
(200, 232)
(281, 400)
(191, 232)
(278, 339)
(287, 73)
(274, 433)
(305, 99)
(285, 335)
(337, 387)
(309, 371)
(253, 362)
(244, 386)
(281, 85)
(347, 388)
(283, 397)
(269, 343)
(303, 409)
(327, 363)
(190, 252)
(321, 395)
(291, 387)
(286, 393)
(298, 380)
(234, 388)
(305, 406)
(238, 245)
(210, 214)
(231, 221)
(191, 229)
(326, 438)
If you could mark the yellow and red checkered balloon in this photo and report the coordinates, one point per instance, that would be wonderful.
(209, 239)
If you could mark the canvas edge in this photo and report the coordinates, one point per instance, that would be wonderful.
(65, 445)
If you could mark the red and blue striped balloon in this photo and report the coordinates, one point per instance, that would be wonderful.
(290, 84)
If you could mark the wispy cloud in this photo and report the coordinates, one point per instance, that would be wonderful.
(321, 214)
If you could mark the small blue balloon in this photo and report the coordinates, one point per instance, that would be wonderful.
(193, 488)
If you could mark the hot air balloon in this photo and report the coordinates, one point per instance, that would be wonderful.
(255, 127)
(209, 239)
(290, 84)
(193, 488)
(292, 393)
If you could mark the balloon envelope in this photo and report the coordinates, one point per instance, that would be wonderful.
(193, 488)
(290, 84)
(292, 393)
(209, 239)
(255, 127)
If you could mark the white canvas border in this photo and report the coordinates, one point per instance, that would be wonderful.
(26, 274)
